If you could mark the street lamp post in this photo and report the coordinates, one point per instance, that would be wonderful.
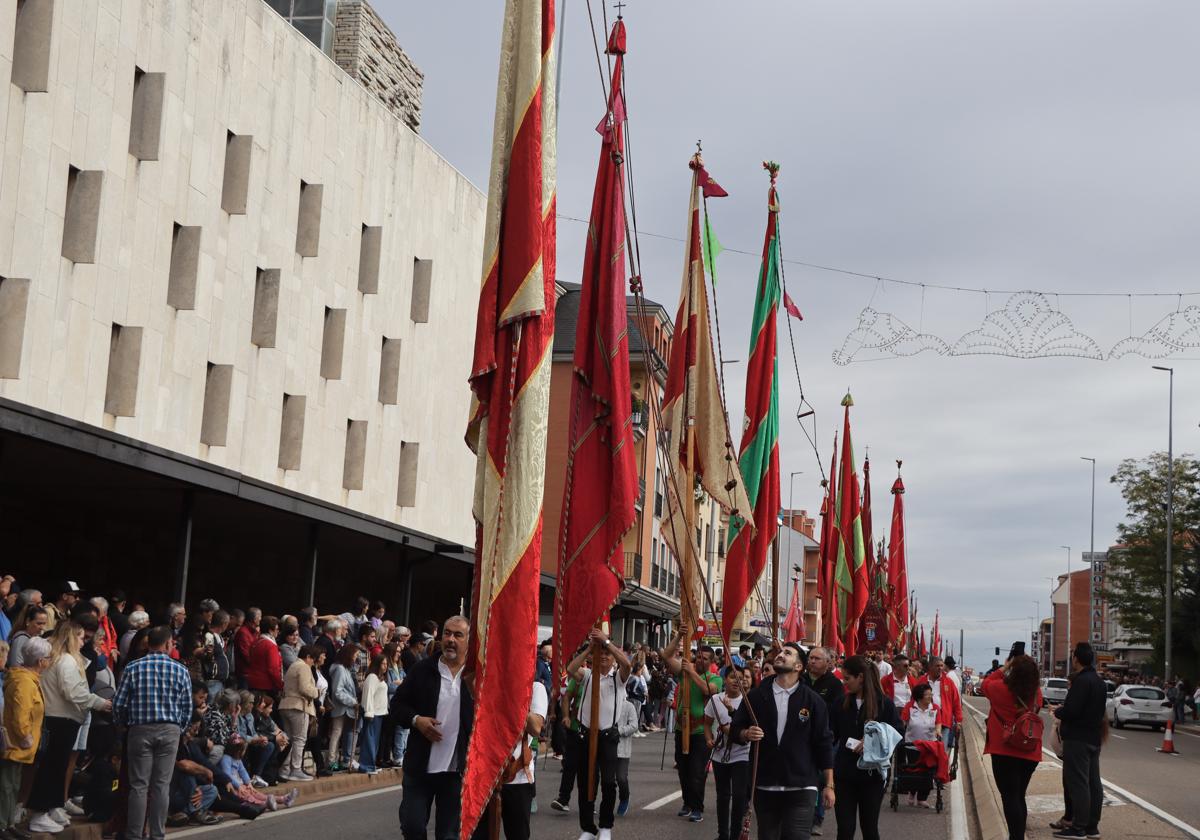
(1092, 606)
(1067, 667)
(1170, 513)
(791, 514)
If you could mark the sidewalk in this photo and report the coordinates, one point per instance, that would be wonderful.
(318, 790)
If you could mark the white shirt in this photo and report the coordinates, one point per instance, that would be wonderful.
(902, 692)
(449, 707)
(539, 703)
(885, 668)
(956, 679)
(609, 685)
(936, 687)
(922, 724)
(721, 715)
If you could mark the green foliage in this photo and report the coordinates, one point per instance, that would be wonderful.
(1136, 580)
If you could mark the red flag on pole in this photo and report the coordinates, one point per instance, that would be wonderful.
(935, 638)
(898, 567)
(791, 307)
(792, 628)
(867, 530)
(830, 635)
(601, 485)
(510, 381)
(921, 649)
(850, 572)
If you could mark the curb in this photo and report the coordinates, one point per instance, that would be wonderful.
(986, 819)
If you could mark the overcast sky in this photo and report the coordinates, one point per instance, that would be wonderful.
(1000, 145)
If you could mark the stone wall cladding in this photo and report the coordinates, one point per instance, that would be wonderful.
(365, 47)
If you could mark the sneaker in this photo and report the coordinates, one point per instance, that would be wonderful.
(60, 816)
(42, 823)
(815, 831)
(605, 834)
(324, 774)
(1060, 824)
(72, 809)
(685, 811)
(697, 816)
(205, 818)
(559, 806)
(1093, 834)
(622, 807)
(272, 805)
(1070, 832)
(354, 765)
(587, 835)
(291, 797)
(334, 767)
(303, 777)
(177, 820)
(258, 782)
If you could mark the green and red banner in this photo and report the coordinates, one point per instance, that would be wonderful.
(830, 637)
(850, 569)
(758, 455)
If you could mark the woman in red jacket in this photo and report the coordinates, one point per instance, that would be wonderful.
(264, 669)
(1011, 692)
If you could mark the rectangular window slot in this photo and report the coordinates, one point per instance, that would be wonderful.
(31, 45)
(235, 186)
(81, 218)
(266, 307)
(406, 487)
(356, 454)
(308, 223)
(14, 303)
(124, 356)
(368, 259)
(145, 122)
(218, 385)
(332, 343)
(291, 432)
(185, 266)
(421, 287)
(389, 372)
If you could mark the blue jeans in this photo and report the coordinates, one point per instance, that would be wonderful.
(1180, 711)
(182, 788)
(400, 744)
(948, 737)
(368, 743)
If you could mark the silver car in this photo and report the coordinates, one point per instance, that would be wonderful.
(1054, 690)
(1144, 705)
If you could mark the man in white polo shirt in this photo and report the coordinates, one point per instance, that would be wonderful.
(611, 672)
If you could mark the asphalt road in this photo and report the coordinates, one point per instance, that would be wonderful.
(1136, 774)
(654, 802)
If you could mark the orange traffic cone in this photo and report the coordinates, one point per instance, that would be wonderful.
(1169, 739)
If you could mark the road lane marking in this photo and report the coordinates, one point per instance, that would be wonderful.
(958, 811)
(1115, 735)
(333, 800)
(658, 803)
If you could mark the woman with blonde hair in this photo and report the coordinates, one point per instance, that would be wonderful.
(67, 702)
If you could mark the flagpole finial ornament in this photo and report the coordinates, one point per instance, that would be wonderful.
(773, 168)
(847, 400)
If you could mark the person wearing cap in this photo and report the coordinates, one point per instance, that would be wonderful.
(795, 743)
(68, 597)
(953, 674)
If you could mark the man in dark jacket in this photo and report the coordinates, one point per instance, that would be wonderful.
(1081, 721)
(435, 705)
(819, 676)
(795, 756)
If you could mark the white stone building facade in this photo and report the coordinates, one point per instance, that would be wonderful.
(216, 242)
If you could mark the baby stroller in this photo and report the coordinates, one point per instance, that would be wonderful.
(910, 775)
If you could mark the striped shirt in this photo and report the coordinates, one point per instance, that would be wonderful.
(154, 689)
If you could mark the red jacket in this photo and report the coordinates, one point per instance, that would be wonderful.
(951, 702)
(243, 640)
(264, 669)
(1004, 712)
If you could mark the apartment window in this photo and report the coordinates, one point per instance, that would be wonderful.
(333, 343)
(31, 45)
(389, 372)
(356, 454)
(214, 423)
(308, 221)
(658, 495)
(145, 121)
(291, 432)
(406, 486)
(14, 303)
(81, 217)
(124, 356)
(266, 307)
(369, 250)
(185, 266)
(422, 287)
(235, 184)
(654, 562)
(721, 543)
(314, 19)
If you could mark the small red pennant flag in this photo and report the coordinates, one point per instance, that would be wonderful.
(791, 307)
(709, 187)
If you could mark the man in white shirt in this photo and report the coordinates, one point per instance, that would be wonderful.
(608, 676)
(438, 708)
(897, 685)
(952, 673)
(730, 761)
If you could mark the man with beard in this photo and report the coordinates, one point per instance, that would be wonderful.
(821, 679)
(795, 759)
(435, 705)
(702, 684)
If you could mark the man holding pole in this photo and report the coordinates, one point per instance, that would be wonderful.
(603, 691)
(692, 760)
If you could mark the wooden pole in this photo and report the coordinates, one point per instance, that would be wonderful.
(594, 729)
(687, 610)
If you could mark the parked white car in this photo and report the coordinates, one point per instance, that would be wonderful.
(1054, 690)
(1144, 705)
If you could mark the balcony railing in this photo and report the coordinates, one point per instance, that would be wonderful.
(641, 497)
(633, 566)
